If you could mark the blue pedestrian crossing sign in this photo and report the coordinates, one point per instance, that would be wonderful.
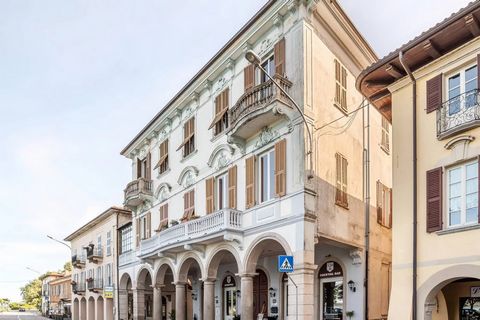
(285, 263)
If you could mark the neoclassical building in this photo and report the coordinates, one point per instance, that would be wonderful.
(230, 174)
(429, 87)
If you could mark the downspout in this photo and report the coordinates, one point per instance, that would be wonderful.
(366, 193)
(117, 287)
(414, 164)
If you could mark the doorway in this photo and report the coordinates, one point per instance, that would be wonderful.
(260, 294)
(331, 291)
(229, 297)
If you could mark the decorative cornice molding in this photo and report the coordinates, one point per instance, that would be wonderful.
(188, 176)
(163, 191)
(221, 156)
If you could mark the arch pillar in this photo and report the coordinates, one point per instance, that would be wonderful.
(138, 304)
(304, 278)
(209, 299)
(246, 292)
(157, 302)
(180, 303)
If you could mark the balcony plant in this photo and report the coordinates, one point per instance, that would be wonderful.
(171, 315)
(350, 314)
(89, 279)
(174, 222)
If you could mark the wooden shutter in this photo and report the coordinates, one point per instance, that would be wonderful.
(344, 181)
(279, 56)
(338, 88)
(434, 200)
(149, 225)
(139, 168)
(232, 187)
(379, 201)
(338, 179)
(137, 233)
(280, 168)
(249, 76)
(250, 182)
(210, 191)
(221, 107)
(188, 131)
(434, 93)
(148, 167)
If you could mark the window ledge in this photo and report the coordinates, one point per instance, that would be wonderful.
(339, 107)
(218, 136)
(385, 149)
(163, 173)
(189, 156)
(459, 229)
(342, 205)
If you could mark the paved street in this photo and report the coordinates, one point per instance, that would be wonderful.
(21, 316)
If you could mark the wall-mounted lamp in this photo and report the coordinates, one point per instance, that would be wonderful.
(352, 286)
(272, 292)
(238, 293)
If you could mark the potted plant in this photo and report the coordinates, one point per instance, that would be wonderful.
(173, 222)
(350, 314)
(171, 314)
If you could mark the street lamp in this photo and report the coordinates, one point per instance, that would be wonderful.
(33, 270)
(252, 57)
(52, 238)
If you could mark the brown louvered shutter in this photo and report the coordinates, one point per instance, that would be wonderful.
(139, 168)
(186, 204)
(137, 232)
(434, 93)
(232, 187)
(148, 167)
(249, 76)
(279, 56)
(379, 201)
(434, 200)
(280, 168)
(210, 201)
(250, 181)
(149, 225)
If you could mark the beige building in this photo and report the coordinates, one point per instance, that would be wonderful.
(95, 261)
(60, 297)
(429, 89)
(224, 180)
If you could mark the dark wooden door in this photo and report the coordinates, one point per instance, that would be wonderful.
(260, 294)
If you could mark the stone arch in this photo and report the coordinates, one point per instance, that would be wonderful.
(161, 270)
(221, 156)
(99, 308)
(91, 308)
(83, 309)
(163, 191)
(215, 258)
(184, 265)
(125, 277)
(187, 176)
(258, 245)
(142, 275)
(428, 291)
(76, 309)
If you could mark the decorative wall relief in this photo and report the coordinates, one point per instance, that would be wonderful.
(188, 176)
(266, 136)
(265, 46)
(221, 156)
(163, 192)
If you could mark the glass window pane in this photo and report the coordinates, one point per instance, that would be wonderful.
(455, 204)
(272, 174)
(454, 81)
(472, 185)
(472, 200)
(454, 218)
(455, 190)
(472, 215)
(472, 170)
(264, 178)
(471, 74)
(455, 175)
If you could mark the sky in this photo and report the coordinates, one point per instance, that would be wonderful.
(78, 79)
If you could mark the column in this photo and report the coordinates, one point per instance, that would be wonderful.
(138, 304)
(304, 279)
(209, 299)
(157, 302)
(123, 304)
(246, 295)
(180, 302)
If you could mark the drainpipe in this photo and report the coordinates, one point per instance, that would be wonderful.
(414, 165)
(117, 287)
(366, 193)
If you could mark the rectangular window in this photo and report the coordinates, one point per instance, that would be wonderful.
(463, 194)
(220, 121)
(162, 164)
(267, 176)
(99, 245)
(385, 135)
(163, 217)
(99, 275)
(188, 143)
(126, 239)
(269, 66)
(340, 86)
(462, 90)
(109, 243)
(384, 205)
(141, 168)
(222, 191)
(341, 196)
(188, 205)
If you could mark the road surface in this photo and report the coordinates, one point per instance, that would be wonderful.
(21, 316)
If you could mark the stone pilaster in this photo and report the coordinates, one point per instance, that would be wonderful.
(138, 304)
(246, 293)
(180, 302)
(209, 300)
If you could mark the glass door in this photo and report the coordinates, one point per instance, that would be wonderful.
(331, 296)
(230, 302)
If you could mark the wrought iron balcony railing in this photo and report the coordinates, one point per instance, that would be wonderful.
(94, 253)
(458, 114)
(95, 284)
(78, 288)
(78, 260)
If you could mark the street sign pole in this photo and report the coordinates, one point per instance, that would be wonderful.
(296, 295)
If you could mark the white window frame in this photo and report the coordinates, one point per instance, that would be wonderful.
(270, 187)
(463, 210)
(223, 205)
(109, 243)
(270, 60)
(460, 71)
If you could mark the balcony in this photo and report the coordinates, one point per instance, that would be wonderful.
(219, 226)
(126, 258)
(258, 107)
(95, 285)
(458, 114)
(138, 191)
(94, 253)
(78, 288)
(78, 261)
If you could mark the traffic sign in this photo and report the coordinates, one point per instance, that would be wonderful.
(285, 263)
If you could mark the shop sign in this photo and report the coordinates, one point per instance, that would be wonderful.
(228, 282)
(108, 292)
(330, 269)
(475, 292)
